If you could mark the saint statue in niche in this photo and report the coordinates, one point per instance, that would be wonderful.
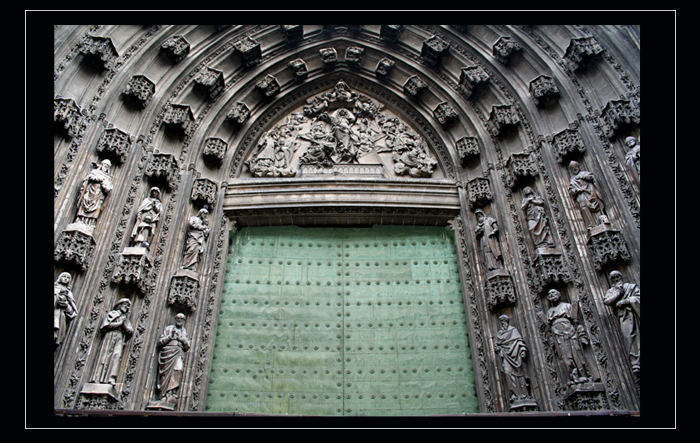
(116, 330)
(196, 239)
(624, 299)
(487, 231)
(569, 339)
(537, 222)
(64, 309)
(512, 350)
(173, 344)
(632, 156)
(584, 189)
(93, 193)
(147, 217)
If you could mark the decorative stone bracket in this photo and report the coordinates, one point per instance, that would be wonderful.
(71, 118)
(502, 119)
(209, 82)
(467, 148)
(100, 50)
(215, 149)
(607, 246)
(543, 90)
(139, 90)
(300, 69)
(115, 144)
(249, 51)
(499, 289)
(238, 115)
(75, 245)
(163, 166)
(184, 290)
(550, 269)
(204, 191)
(292, 33)
(176, 48)
(520, 167)
(134, 268)
(178, 117)
(617, 114)
(268, 86)
(414, 86)
(582, 52)
(568, 145)
(471, 78)
(384, 67)
(479, 192)
(433, 50)
(504, 49)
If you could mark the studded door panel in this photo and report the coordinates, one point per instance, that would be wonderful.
(342, 321)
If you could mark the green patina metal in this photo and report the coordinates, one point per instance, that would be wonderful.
(342, 321)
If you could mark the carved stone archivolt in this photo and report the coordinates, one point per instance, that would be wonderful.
(338, 129)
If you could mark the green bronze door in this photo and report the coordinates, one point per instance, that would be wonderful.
(342, 321)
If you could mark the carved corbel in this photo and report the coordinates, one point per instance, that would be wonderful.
(568, 145)
(176, 48)
(445, 114)
(607, 246)
(100, 51)
(178, 117)
(433, 49)
(139, 90)
(209, 83)
(503, 118)
(249, 51)
(390, 33)
(384, 67)
(582, 52)
(471, 78)
(479, 192)
(215, 150)
(353, 55)
(329, 57)
(69, 117)
(268, 86)
(300, 70)
(520, 168)
(504, 49)
(543, 90)
(163, 167)
(292, 33)
(414, 86)
(619, 114)
(204, 192)
(467, 148)
(115, 144)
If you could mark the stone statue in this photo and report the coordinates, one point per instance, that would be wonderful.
(322, 146)
(195, 243)
(632, 156)
(171, 359)
(147, 217)
(64, 309)
(487, 227)
(93, 192)
(568, 339)
(275, 157)
(512, 350)
(584, 189)
(537, 223)
(116, 330)
(341, 122)
(624, 298)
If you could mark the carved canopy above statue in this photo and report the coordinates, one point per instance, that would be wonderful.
(342, 132)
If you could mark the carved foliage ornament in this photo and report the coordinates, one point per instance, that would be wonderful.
(341, 127)
(100, 49)
(176, 48)
(115, 143)
(69, 116)
(139, 90)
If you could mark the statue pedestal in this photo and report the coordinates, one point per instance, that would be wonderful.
(588, 396)
(550, 268)
(164, 405)
(133, 268)
(523, 405)
(607, 246)
(102, 389)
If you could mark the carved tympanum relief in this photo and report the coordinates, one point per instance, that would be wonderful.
(337, 129)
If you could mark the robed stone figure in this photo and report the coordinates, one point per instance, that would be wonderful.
(625, 301)
(64, 309)
(632, 157)
(147, 216)
(537, 223)
(584, 189)
(116, 331)
(569, 339)
(93, 193)
(487, 230)
(512, 350)
(195, 243)
(171, 359)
